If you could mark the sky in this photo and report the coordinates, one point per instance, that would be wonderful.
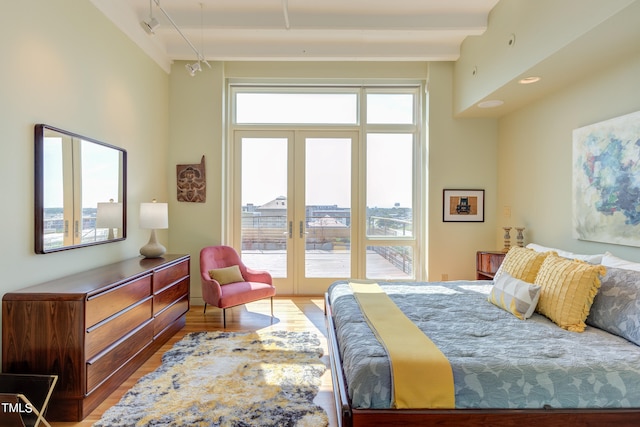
(389, 158)
(100, 173)
(328, 170)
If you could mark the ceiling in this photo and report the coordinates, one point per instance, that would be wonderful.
(299, 30)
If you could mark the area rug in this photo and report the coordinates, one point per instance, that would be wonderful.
(229, 379)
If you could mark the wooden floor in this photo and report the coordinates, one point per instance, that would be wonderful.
(290, 313)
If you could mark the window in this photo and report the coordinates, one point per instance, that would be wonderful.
(376, 231)
(298, 108)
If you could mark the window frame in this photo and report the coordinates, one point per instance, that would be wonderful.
(417, 240)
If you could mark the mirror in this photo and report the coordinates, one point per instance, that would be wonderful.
(80, 191)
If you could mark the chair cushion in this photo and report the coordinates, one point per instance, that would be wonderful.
(226, 275)
(243, 292)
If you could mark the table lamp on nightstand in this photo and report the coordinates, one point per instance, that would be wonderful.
(153, 216)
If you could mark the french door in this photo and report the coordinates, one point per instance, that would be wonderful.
(295, 202)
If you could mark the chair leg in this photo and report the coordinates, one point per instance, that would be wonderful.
(205, 308)
(272, 307)
(224, 318)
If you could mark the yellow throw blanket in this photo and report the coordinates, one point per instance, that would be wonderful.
(421, 375)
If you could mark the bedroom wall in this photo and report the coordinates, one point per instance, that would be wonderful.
(535, 154)
(462, 155)
(197, 127)
(65, 64)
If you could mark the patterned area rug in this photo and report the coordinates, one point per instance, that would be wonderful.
(229, 379)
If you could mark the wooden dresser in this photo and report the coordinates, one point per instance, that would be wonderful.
(94, 329)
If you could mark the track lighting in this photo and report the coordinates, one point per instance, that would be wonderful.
(192, 68)
(150, 25)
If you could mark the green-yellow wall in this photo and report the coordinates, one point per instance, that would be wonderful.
(535, 154)
(197, 127)
(65, 65)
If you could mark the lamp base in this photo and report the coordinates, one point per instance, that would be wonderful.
(153, 249)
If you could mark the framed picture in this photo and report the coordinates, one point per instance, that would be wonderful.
(463, 205)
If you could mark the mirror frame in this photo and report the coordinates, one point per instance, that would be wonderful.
(39, 135)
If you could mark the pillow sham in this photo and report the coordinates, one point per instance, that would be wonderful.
(568, 289)
(591, 259)
(610, 260)
(515, 296)
(522, 264)
(616, 307)
(227, 275)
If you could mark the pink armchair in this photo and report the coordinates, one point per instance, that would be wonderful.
(255, 286)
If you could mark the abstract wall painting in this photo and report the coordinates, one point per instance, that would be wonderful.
(606, 181)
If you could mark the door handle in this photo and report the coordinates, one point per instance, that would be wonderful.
(290, 229)
(302, 232)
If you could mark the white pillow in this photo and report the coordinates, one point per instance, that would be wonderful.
(515, 296)
(591, 259)
(610, 260)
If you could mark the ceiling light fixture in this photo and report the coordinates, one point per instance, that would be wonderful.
(529, 80)
(491, 103)
(191, 67)
(150, 24)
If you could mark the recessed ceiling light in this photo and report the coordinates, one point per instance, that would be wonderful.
(529, 80)
(492, 103)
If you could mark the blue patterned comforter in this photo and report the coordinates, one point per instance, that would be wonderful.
(498, 361)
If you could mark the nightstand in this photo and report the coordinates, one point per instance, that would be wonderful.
(487, 263)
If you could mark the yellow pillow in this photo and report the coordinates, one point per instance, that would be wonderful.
(523, 263)
(227, 275)
(568, 289)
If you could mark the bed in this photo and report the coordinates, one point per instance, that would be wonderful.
(507, 371)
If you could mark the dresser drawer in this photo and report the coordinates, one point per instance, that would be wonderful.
(166, 276)
(103, 366)
(108, 303)
(106, 333)
(170, 295)
(170, 314)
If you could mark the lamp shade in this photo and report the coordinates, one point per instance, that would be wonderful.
(154, 215)
(109, 215)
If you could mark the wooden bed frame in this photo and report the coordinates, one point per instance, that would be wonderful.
(352, 417)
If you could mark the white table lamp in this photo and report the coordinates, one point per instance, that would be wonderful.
(153, 216)
(109, 216)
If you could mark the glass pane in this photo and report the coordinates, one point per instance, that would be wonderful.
(100, 184)
(388, 108)
(328, 207)
(390, 185)
(264, 204)
(54, 215)
(328, 108)
(389, 262)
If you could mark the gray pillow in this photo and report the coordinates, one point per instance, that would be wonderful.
(616, 307)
